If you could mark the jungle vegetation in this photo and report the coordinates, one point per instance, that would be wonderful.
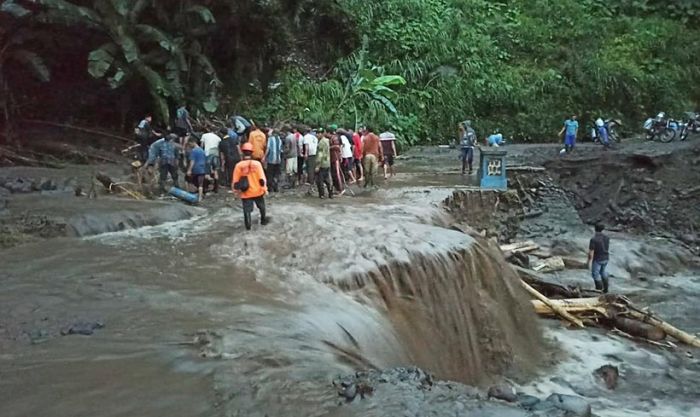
(414, 66)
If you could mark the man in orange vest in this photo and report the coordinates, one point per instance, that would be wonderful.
(249, 183)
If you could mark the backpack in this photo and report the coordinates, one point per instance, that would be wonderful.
(243, 184)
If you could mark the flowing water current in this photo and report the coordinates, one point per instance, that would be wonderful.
(199, 312)
(202, 318)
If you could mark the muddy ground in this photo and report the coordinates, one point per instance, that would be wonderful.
(114, 307)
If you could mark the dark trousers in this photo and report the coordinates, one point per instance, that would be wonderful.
(258, 201)
(228, 172)
(323, 176)
(164, 170)
(337, 175)
(311, 168)
(300, 168)
(273, 176)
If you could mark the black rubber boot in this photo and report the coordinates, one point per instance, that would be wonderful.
(605, 285)
(598, 285)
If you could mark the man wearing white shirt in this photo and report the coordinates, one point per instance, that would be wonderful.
(210, 142)
(310, 149)
(346, 154)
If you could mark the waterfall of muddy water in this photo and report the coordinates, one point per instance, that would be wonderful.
(438, 299)
(325, 289)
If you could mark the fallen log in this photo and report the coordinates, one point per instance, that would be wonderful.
(561, 312)
(672, 331)
(549, 288)
(555, 263)
(519, 247)
(77, 128)
(112, 186)
(571, 305)
(14, 158)
(639, 328)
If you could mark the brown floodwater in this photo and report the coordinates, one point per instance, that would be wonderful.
(203, 318)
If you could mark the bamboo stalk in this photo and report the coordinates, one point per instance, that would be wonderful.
(560, 311)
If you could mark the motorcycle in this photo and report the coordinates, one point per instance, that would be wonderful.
(610, 126)
(692, 120)
(661, 127)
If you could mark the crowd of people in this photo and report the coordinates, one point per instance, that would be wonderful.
(266, 159)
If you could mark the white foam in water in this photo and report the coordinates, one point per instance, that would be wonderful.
(175, 231)
(638, 366)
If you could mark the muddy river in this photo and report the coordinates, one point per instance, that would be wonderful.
(196, 317)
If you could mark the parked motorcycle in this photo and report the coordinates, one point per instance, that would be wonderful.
(661, 127)
(610, 126)
(693, 123)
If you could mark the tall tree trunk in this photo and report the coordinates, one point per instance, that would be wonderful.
(6, 112)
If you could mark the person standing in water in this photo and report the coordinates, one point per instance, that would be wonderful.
(323, 167)
(197, 169)
(249, 183)
(371, 155)
(166, 153)
(388, 142)
(598, 257)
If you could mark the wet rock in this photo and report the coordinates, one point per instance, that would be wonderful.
(85, 328)
(576, 406)
(19, 186)
(503, 392)
(47, 185)
(527, 402)
(689, 238)
(348, 391)
(609, 374)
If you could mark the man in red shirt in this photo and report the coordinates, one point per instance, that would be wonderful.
(357, 155)
(371, 155)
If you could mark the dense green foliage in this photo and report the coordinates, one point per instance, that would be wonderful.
(522, 65)
(415, 66)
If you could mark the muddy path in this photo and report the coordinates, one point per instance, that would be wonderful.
(201, 318)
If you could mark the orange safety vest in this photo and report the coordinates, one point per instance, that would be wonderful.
(255, 173)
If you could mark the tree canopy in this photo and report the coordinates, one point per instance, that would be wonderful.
(414, 66)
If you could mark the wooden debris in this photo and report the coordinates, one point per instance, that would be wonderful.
(571, 305)
(560, 311)
(519, 247)
(613, 311)
(672, 331)
(574, 263)
(639, 328)
(555, 263)
(78, 128)
(112, 186)
(525, 168)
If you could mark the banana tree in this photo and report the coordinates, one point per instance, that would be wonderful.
(372, 93)
(138, 48)
(367, 88)
(16, 50)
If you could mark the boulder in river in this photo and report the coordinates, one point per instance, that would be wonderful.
(575, 406)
